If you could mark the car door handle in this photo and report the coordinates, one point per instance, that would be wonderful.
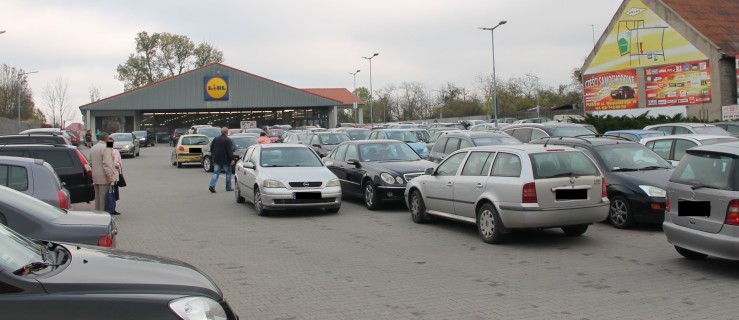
(479, 186)
(449, 184)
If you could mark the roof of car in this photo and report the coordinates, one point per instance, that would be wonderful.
(193, 135)
(685, 124)
(588, 140)
(727, 122)
(520, 147)
(372, 141)
(725, 147)
(634, 131)
(698, 137)
(542, 125)
(282, 145)
(473, 134)
(36, 146)
(9, 159)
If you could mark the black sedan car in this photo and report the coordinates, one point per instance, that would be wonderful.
(376, 170)
(52, 280)
(636, 177)
(146, 138)
(36, 219)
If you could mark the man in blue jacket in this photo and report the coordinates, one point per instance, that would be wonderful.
(223, 155)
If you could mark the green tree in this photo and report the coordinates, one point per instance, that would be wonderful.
(162, 55)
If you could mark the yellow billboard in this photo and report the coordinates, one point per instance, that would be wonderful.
(640, 38)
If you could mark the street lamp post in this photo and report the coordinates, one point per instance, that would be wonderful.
(495, 88)
(20, 88)
(538, 108)
(372, 107)
(354, 104)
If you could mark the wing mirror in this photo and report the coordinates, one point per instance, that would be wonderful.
(248, 165)
(354, 162)
(429, 171)
(328, 163)
(316, 145)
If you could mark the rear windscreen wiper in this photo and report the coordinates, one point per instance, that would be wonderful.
(623, 169)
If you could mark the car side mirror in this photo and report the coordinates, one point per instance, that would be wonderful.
(248, 165)
(316, 145)
(429, 171)
(354, 162)
(328, 163)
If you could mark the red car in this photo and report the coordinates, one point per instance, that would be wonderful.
(623, 92)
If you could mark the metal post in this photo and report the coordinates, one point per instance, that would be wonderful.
(20, 88)
(372, 107)
(354, 104)
(495, 87)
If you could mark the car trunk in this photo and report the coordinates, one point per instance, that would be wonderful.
(567, 192)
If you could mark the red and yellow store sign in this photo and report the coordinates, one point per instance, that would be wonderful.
(611, 90)
(216, 88)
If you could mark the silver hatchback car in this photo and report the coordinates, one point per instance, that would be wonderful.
(283, 176)
(702, 214)
(499, 188)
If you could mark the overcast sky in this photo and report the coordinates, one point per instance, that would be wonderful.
(308, 43)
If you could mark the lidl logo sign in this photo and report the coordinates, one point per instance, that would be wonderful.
(216, 88)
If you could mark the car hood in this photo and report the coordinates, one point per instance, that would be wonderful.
(400, 167)
(96, 218)
(120, 144)
(298, 173)
(329, 147)
(657, 178)
(93, 269)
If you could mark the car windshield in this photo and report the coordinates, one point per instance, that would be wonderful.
(649, 135)
(711, 130)
(139, 134)
(210, 132)
(121, 137)
(244, 142)
(489, 141)
(709, 170)
(562, 164)
(289, 157)
(405, 136)
(275, 132)
(387, 152)
(29, 205)
(717, 140)
(17, 251)
(630, 157)
(358, 134)
(331, 139)
(571, 131)
(180, 130)
(195, 140)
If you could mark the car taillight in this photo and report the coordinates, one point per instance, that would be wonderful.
(181, 148)
(88, 169)
(604, 186)
(63, 200)
(529, 193)
(106, 240)
(667, 204)
(732, 213)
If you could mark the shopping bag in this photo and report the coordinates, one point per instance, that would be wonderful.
(110, 200)
(121, 180)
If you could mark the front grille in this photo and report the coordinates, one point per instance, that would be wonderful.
(306, 184)
(410, 176)
(304, 201)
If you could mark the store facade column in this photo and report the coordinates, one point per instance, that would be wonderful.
(332, 117)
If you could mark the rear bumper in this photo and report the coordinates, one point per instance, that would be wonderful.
(724, 244)
(188, 158)
(517, 216)
(281, 198)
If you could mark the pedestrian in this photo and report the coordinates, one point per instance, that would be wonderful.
(97, 135)
(119, 171)
(88, 138)
(222, 151)
(103, 170)
(263, 139)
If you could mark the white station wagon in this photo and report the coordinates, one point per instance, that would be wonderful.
(499, 188)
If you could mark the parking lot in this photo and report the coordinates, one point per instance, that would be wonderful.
(361, 264)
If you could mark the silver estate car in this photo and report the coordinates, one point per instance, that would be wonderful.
(283, 176)
(702, 214)
(500, 188)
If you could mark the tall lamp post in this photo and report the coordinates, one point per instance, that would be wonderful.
(354, 104)
(372, 107)
(20, 88)
(495, 88)
(538, 108)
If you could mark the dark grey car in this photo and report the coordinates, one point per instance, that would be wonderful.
(52, 280)
(451, 141)
(36, 219)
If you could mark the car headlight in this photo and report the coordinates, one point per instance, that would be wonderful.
(333, 183)
(399, 180)
(388, 178)
(273, 184)
(197, 308)
(653, 191)
(125, 148)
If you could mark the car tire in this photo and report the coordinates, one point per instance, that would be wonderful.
(179, 164)
(333, 210)
(489, 226)
(576, 230)
(370, 196)
(258, 207)
(207, 164)
(138, 152)
(690, 254)
(417, 208)
(237, 192)
(172, 159)
(619, 213)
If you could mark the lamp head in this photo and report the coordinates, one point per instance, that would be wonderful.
(376, 54)
(502, 22)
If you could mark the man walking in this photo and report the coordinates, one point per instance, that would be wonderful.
(103, 170)
(222, 150)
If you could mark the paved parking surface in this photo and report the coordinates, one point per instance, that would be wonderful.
(360, 264)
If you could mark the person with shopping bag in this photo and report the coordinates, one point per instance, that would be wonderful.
(103, 170)
(119, 181)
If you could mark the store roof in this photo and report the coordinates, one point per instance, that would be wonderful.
(339, 94)
(717, 20)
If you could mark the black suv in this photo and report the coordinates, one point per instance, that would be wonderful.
(636, 177)
(34, 139)
(146, 138)
(451, 141)
(69, 163)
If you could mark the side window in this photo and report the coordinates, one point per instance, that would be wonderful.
(351, 152)
(665, 129)
(463, 143)
(538, 134)
(506, 165)
(57, 158)
(587, 152)
(478, 164)
(451, 165)
(680, 147)
(662, 148)
(523, 135)
(15, 153)
(440, 145)
(451, 145)
(247, 155)
(681, 130)
(340, 152)
(3, 175)
(372, 135)
(14, 177)
(630, 137)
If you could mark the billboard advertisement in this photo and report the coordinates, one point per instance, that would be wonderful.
(737, 79)
(678, 84)
(640, 38)
(611, 90)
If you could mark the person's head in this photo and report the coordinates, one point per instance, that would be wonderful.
(103, 137)
(262, 134)
(224, 131)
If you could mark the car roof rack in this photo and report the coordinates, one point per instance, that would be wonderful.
(599, 135)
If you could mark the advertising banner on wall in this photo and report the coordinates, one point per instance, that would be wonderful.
(737, 79)
(729, 113)
(610, 90)
(678, 84)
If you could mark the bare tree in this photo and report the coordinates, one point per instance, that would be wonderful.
(55, 96)
(94, 93)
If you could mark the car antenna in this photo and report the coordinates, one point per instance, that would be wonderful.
(545, 143)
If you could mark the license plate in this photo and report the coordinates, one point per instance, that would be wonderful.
(306, 195)
(196, 150)
(688, 208)
(572, 194)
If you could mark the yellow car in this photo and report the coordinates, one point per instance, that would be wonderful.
(188, 149)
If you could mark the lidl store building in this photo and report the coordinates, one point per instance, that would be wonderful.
(219, 95)
(667, 57)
